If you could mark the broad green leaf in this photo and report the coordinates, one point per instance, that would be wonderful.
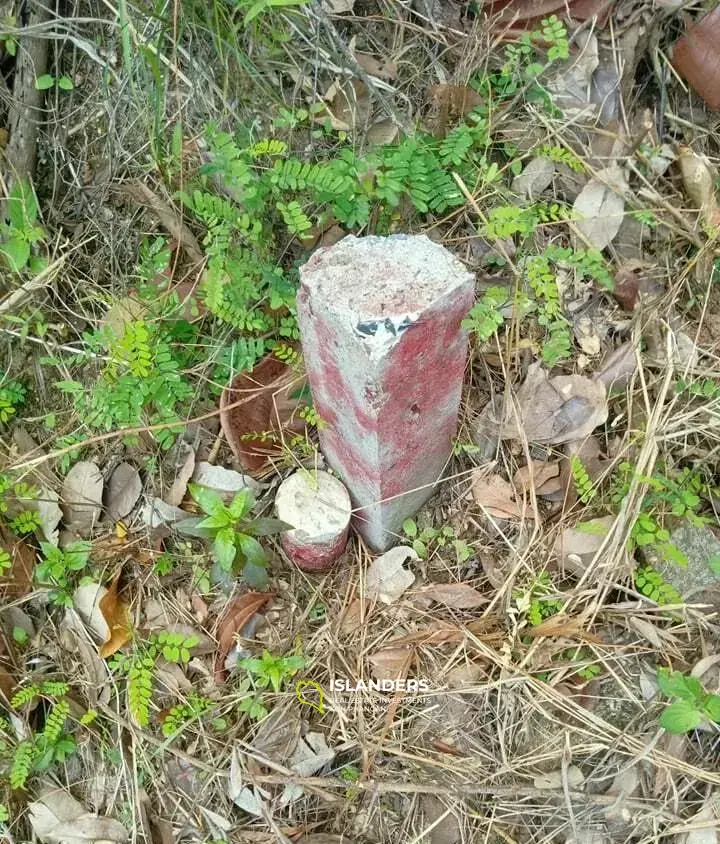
(681, 717)
(241, 504)
(224, 548)
(712, 707)
(219, 520)
(22, 209)
(677, 684)
(254, 575)
(266, 526)
(17, 252)
(210, 501)
(66, 83)
(42, 83)
(409, 528)
(251, 549)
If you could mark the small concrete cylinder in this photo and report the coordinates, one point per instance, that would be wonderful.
(318, 507)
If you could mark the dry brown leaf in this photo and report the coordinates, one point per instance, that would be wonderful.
(184, 456)
(559, 626)
(525, 13)
(627, 284)
(618, 367)
(450, 104)
(696, 57)
(58, 818)
(355, 615)
(444, 826)
(81, 497)
(278, 734)
(236, 616)
(121, 312)
(268, 407)
(542, 476)
(600, 206)
(17, 581)
(348, 105)
(555, 410)
(122, 491)
(387, 578)
(382, 68)
(576, 546)
(495, 496)
(458, 596)
(391, 663)
(441, 633)
(381, 133)
(537, 175)
(699, 183)
(116, 615)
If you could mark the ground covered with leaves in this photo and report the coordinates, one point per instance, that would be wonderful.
(166, 673)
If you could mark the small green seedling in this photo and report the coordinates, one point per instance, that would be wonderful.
(428, 539)
(233, 532)
(59, 569)
(272, 670)
(22, 230)
(692, 705)
(47, 81)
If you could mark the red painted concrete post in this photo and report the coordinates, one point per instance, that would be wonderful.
(385, 356)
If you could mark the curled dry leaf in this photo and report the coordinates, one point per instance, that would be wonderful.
(278, 734)
(86, 600)
(183, 457)
(122, 491)
(496, 496)
(696, 57)
(537, 175)
(555, 410)
(248, 798)
(16, 581)
(270, 402)
(600, 206)
(576, 546)
(391, 663)
(457, 596)
(627, 284)
(238, 613)
(311, 755)
(58, 818)
(382, 68)
(618, 367)
(699, 183)
(542, 476)
(387, 577)
(116, 615)
(380, 133)
(348, 105)
(81, 497)
(355, 615)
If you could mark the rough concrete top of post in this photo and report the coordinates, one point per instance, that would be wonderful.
(382, 278)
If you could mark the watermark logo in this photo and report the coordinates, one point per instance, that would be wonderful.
(412, 687)
(305, 685)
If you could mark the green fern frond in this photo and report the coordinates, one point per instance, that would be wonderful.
(21, 765)
(583, 483)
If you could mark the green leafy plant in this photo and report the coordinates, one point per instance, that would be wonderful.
(182, 714)
(21, 231)
(233, 532)
(47, 81)
(535, 601)
(138, 668)
(140, 383)
(267, 671)
(692, 705)
(583, 483)
(59, 569)
(12, 396)
(486, 316)
(424, 542)
(560, 155)
(649, 582)
(44, 748)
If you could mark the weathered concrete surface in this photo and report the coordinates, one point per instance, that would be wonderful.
(318, 507)
(385, 356)
(696, 582)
